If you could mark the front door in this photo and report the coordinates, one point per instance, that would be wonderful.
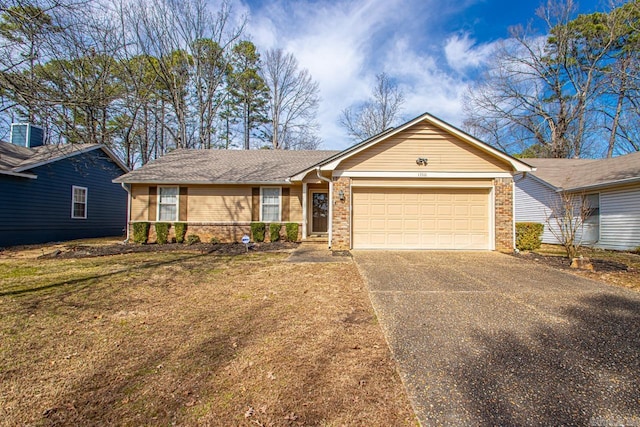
(319, 211)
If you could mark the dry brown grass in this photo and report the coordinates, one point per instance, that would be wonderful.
(187, 338)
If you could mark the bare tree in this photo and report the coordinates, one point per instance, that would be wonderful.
(566, 218)
(187, 47)
(551, 91)
(377, 114)
(293, 104)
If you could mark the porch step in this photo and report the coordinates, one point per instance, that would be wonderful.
(317, 239)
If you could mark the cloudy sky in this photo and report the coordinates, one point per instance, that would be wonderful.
(433, 48)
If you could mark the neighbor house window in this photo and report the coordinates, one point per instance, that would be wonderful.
(79, 202)
(167, 203)
(270, 198)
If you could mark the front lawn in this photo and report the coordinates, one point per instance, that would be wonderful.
(190, 338)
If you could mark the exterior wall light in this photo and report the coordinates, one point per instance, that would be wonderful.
(341, 195)
(422, 161)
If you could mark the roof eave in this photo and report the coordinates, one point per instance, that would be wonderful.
(18, 174)
(199, 182)
(614, 183)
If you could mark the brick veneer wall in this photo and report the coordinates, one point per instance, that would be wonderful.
(504, 214)
(341, 228)
(225, 233)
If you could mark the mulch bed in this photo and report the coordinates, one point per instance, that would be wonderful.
(88, 251)
(599, 265)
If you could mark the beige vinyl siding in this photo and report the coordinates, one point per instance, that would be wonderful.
(295, 204)
(422, 183)
(139, 202)
(219, 203)
(427, 218)
(445, 153)
(214, 203)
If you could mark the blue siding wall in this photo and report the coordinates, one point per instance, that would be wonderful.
(39, 210)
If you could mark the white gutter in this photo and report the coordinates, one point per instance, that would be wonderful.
(126, 188)
(330, 229)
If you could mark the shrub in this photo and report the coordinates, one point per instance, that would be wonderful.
(162, 232)
(192, 239)
(214, 240)
(257, 231)
(140, 232)
(180, 229)
(528, 235)
(274, 231)
(292, 231)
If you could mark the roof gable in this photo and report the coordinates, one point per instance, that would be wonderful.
(335, 161)
(18, 161)
(444, 153)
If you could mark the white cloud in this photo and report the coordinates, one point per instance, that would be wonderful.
(462, 53)
(344, 44)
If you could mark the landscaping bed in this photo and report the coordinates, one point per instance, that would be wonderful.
(189, 336)
(613, 267)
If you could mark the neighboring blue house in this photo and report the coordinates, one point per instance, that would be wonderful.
(58, 192)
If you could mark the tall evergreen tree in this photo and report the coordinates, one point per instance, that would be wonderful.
(248, 88)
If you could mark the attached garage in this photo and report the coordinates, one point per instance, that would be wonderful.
(422, 185)
(421, 218)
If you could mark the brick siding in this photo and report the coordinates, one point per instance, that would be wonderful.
(341, 231)
(504, 214)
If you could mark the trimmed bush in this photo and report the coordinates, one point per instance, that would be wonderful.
(258, 230)
(162, 232)
(214, 240)
(292, 231)
(192, 239)
(140, 232)
(180, 229)
(528, 235)
(274, 231)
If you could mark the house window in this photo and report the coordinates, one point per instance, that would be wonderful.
(167, 203)
(270, 204)
(78, 202)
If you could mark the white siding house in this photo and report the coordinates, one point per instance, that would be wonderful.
(620, 219)
(534, 199)
(611, 186)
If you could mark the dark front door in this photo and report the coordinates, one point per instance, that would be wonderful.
(319, 212)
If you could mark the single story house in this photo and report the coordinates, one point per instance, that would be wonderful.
(421, 185)
(611, 188)
(59, 192)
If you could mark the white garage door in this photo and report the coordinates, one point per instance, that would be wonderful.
(410, 218)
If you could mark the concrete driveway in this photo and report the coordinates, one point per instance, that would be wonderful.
(482, 338)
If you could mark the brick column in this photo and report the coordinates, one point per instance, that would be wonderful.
(341, 231)
(504, 214)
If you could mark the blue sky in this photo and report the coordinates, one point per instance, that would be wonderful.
(433, 48)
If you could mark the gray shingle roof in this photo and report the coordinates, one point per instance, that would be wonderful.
(225, 166)
(580, 173)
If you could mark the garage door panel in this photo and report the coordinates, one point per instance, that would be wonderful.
(414, 218)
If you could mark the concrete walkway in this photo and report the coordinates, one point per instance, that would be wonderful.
(488, 339)
(317, 252)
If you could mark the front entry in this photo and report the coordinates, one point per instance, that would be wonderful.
(319, 211)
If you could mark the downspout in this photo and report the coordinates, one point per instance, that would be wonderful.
(126, 188)
(330, 229)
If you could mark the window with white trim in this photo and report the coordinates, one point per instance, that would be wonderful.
(167, 203)
(78, 202)
(270, 204)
